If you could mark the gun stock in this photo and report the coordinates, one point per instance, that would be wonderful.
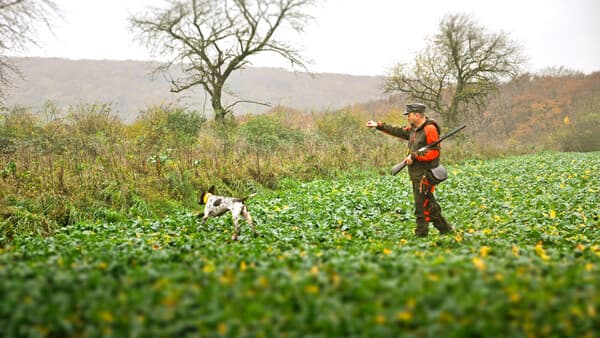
(398, 167)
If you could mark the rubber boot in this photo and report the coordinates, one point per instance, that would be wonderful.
(442, 225)
(422, 228)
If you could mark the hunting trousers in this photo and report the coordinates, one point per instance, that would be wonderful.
(427, 208)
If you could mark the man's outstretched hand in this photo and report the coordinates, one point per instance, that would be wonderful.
(371, 124)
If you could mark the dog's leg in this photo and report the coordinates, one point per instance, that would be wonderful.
(235, 217)
(204, 218)
(248, 219)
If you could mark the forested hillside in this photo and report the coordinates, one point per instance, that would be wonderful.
(543, 109)
(130, 87)
(534, 112)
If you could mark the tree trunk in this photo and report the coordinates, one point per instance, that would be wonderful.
(220, 112)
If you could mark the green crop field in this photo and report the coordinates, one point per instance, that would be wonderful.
(335, 258)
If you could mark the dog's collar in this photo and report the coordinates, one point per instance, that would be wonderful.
(206, 196)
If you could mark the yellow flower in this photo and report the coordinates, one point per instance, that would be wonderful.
(479, 263)
(575, 311)
(539, 250)
(314, 270)
(209, 268)
(446, 317)
(106, 317)
(387, 252)
(380, 319)
(433, 277)
(515, 250)
(222, 329)
(404, 316)
(226, 278)
(312, 289)
(458, 238)
(591, 310)
(484, 250)
(335, 280)
(552, 214)
(263, 282)
(171, 300)
(243, 266)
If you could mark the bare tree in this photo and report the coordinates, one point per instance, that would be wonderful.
(18, 19)
(458, 69)
(209, 39)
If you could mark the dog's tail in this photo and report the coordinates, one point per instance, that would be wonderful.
(246, 198)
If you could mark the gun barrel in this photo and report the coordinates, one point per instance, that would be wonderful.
(399, 166)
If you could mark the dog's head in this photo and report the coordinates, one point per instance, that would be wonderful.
(204, 195)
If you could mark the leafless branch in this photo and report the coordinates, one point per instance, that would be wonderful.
(18, 22)
(459, 68)
(214, 38)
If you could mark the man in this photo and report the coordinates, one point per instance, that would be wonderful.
(420, 132)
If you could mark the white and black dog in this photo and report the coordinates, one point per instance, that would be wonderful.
(218, 205)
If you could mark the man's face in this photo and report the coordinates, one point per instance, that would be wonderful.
(412, 118)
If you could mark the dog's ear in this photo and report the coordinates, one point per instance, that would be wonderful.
(201, 198)
(211, 189)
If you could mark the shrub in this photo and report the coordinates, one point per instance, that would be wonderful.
(581, 134)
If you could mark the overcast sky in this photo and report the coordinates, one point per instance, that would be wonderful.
(360, 37)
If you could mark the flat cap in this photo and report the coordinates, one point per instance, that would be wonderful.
(415, 108)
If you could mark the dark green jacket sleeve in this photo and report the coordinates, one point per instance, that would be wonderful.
(401, 132)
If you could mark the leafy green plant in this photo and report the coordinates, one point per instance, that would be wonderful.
(335, 257)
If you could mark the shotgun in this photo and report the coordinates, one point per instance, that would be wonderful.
(398, 167)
